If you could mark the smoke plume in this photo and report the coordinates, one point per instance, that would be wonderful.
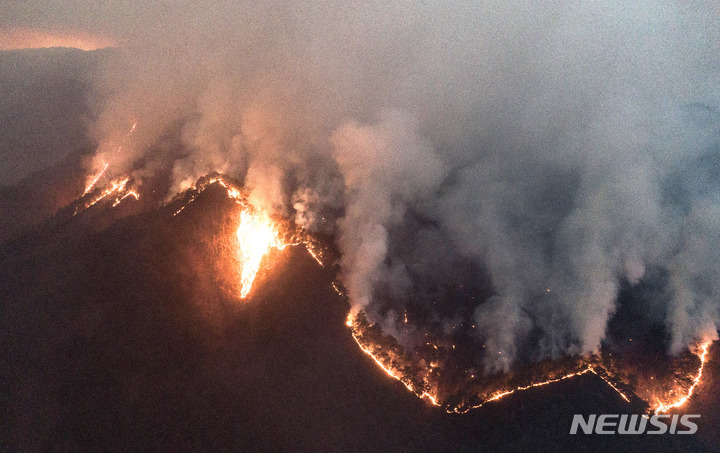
(538, 156)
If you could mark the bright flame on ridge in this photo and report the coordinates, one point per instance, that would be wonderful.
(256, 236)
(388, 367)
(91, 184)
(118, 187)
(702, 353)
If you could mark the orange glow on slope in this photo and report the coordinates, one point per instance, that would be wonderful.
(233, 192)
(119, 188)
(500, 394)
(386, 361)
(31, 38)
(387, 368)
(92, 181)
(592, 370)
(256, 236)
(702, 353)
(130, 193)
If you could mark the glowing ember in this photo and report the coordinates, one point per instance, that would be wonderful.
(132, 129)
(256, 236)
(702, 353)
(607, 381)
(91, 184)
(232, 191)
(118, 188)
(315, 252)
(419, 378)
(388, 368)
(129, 193)
(501, 394)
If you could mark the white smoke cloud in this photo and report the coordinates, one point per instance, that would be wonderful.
(386, 166)
(564, 148)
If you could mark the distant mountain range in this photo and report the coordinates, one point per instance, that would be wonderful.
(44, 114)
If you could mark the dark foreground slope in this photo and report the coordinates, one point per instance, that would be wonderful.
(128, 339)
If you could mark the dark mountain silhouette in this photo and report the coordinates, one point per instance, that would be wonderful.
(118, 333)
(43, 131)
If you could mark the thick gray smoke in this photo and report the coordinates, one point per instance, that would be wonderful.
(563, 149)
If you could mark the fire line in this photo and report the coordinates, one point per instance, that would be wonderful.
(388, 368)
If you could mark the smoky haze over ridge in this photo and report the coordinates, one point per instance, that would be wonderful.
(560, 149)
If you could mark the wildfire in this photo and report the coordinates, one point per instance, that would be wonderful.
(232, 191)
(256, 236)
(502, 393)
(91, 184)
(607, 381)
(702, 353)
(395, 366)
(119, 188)
(315, 252)
(387, 368)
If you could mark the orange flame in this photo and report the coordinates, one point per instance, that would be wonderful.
(388, 369)
(256, 236)
(702, 353)
(502, 393)
(95, 179)
(233, 192)
(118, 187)
(130, 193)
